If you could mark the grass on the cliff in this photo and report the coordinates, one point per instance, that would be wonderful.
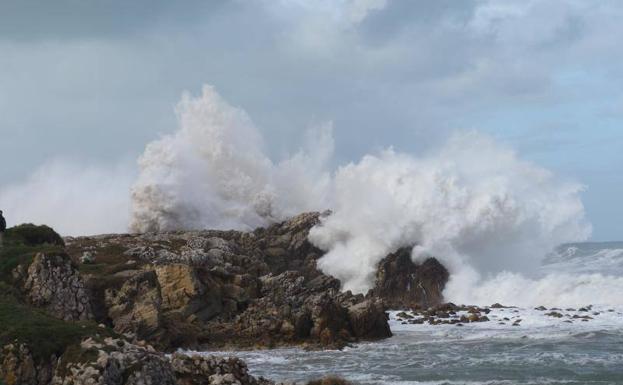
(14, 254)
(20, 323)
(43, 334)
(22, 242)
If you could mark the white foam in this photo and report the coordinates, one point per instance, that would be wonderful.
(472, 203)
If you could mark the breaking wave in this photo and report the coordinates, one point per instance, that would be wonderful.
(488, 215)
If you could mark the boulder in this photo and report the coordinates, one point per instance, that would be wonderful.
(136, 306)
(402, 284)
(54, 284)
(368, 320)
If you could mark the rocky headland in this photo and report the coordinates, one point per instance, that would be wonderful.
(106, 309)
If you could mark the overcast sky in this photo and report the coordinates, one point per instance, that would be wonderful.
(94, 81)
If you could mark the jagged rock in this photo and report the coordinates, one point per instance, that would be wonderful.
(554, 314)
(368, 320)
(136, 306)
(54, 284)
(182, 291)
(262, 288)
(403, 284)
(208, 370)
(17, 366)
(115, 361)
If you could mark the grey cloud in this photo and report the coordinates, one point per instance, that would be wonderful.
(98, 80)
(79, 19)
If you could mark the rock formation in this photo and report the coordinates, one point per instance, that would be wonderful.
(52, 282)
(402, 284)
(115, 361)
(224, 288)
(202, 290)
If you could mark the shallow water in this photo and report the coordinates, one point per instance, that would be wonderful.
(542, 350)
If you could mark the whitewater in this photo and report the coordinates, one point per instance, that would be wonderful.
(494, 220)
(541, 350)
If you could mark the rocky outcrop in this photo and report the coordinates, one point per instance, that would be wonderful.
(135, 307)
(17, 366)
(402, 284)
(292, 309)
(53, 283)
(200, 289)
(368, 319)
(206, 370)
(115, 361)
(216, 288)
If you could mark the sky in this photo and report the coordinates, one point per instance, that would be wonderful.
(90, 83)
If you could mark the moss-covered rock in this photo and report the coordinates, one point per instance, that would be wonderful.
(32, 235)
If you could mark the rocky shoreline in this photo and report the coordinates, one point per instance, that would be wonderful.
(148, 294)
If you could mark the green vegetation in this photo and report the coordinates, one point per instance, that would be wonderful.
(330, 380)
(22, 242)
(43, 334)
(33, 235)
(14, 254)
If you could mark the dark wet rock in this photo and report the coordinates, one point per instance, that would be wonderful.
(582, 317)
(404, 315)
(367, 320)
(554, 314)
(262, 288)
(540, 308)
(401, 283)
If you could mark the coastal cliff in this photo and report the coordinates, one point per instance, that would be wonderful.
(124, 299)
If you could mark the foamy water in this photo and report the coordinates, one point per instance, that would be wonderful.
(541, 350)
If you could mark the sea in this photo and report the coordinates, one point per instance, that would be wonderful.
(584, 346)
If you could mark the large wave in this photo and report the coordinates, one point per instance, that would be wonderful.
(473, 203)
(213, 173)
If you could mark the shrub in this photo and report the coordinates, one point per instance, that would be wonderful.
(12, 255)
(43, 334)
(32, 235)
(330, 380)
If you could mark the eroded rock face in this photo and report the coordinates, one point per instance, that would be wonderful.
(207, 370)
(402, 284)
(136, 306)
(54, 284)
(262, 288)
(115, 361)
(293, 309)
(17, 366)
(368, 319)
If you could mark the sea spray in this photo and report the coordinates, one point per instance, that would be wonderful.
(473, 203)
(213, 173)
